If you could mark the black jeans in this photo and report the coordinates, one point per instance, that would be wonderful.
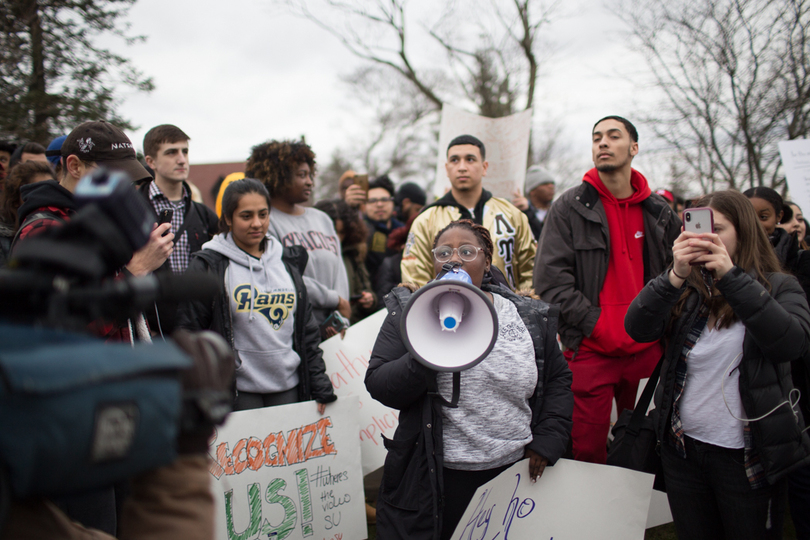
(710, 496)
(799, 499)
(459, 488)
(251, 400)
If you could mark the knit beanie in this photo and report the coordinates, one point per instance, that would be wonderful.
(536, 176)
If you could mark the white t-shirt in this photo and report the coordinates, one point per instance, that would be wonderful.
(492, 424)
(704, 414)
(541, 214)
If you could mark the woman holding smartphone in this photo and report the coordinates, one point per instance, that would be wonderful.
(263, 311)
(728, 423)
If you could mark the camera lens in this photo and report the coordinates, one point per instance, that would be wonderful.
(688, 216)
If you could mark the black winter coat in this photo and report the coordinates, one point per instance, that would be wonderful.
(410, 500)
(216, 316)
(574, 251)
(201, 224)
(777, 331)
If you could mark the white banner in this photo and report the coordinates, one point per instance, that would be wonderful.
(796, 161)
(571, 500)
(346, 363)
(506, 141)
(289, 472)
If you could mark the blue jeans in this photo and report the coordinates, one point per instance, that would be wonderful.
(710, 496)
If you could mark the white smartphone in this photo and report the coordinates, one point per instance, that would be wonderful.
(698, 220)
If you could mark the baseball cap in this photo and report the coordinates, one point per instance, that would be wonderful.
(107, 145)
(54, 151)
(665, 193)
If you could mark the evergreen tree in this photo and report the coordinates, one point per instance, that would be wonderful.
(53, 75)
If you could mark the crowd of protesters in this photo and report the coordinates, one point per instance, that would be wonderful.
(619, 284)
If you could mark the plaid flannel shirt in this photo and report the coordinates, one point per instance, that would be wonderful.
(180, 257)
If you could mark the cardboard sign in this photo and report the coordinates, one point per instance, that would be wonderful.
(346, 362)
(506, 141)
(796, 161)
(571, 500)
(288, 472)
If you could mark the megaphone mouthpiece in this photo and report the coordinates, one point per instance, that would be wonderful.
(451, 311)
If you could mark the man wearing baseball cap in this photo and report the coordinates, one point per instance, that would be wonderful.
(87, 147)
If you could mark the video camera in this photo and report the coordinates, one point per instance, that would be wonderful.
(79, 413)
(61, 278)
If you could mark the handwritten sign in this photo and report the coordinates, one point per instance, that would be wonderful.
(507, 148)
(287, 472)
(796, 161)
(346, 363)
(571, 500)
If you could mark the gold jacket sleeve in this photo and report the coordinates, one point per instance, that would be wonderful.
(525, 252)
(417, 259)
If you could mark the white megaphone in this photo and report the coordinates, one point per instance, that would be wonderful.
(449, 324)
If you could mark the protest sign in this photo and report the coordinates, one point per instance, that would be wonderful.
(346, 362)
(288, 472)
(796, 161)
(659, 512)
(507, 148)
(571, 500)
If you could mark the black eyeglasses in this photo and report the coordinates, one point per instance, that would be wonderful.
(380, 200)
(467, 253)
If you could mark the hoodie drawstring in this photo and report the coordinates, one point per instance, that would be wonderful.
(252, 288)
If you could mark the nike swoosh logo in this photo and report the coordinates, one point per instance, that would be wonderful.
(639, 234)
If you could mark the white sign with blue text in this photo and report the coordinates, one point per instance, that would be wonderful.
(571, 501)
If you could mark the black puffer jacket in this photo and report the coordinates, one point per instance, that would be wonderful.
(216, 316)
(409, 505)
(786, 247)
(777, 331)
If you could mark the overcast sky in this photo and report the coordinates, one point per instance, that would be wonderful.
(233, 74)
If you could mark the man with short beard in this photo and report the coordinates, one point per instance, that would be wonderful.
(601, 242)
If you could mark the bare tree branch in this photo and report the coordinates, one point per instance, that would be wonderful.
(736, 81)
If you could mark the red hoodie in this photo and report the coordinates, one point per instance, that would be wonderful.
(625, 273)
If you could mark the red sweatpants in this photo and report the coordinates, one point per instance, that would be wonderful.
(597, 380)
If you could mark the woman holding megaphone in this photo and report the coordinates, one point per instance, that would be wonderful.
(516, 403)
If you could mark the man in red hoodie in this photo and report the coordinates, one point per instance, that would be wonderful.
(601, 242)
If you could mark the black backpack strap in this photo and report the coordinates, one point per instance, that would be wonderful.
(42, 214)
(640, 412)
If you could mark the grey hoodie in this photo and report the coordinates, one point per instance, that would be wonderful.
(262, 306)
(325, 274)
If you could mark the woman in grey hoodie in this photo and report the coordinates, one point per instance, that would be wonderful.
(263, 312)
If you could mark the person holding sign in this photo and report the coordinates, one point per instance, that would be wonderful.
(516, 403)
(728, 420)
(263, 311)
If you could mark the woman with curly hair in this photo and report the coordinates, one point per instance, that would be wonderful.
(352, 233)
(287, 169)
